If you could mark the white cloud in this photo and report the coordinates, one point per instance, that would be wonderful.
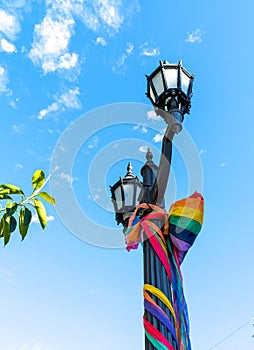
(66, 61)
(53, 35)
(67, 100)
(96, 194)
(51, 41)
(54, 107)
(101, 14)
(17, 129)
(143, 149)
(94, 142)
(4, 80)
(7, 47)
(13, 102)
(141, 127)
(70, 99)
(109, 13)
(105, 16)
(100, 40)
(203, 151)
(35, 220)
(149, 49)
(120, 62)
(158, 138)
(50, 47)
(151, 115)
(88, 17)
(14, 5)
(67, 177)
(9, 25)
(18, 166)
(117, 68)
(144, 129)
(130, 48)
(223, 165)
(195, 36)
(150, 52)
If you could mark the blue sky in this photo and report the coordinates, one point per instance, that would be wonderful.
(66, 70)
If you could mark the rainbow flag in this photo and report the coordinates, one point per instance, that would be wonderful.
(185, 222)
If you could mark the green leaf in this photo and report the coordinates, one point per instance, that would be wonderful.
(4, 196)
(38, 179)
(6, 228)
(1, 228)
(41, 212)
(10, 189)
(11, 207)
(47, 197)
(13, 224)
(8, 225)
(5, 191)
(25, 217)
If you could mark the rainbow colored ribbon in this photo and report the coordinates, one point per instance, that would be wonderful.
(180, 229)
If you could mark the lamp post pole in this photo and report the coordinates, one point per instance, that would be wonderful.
(154, 272)
(160, 183)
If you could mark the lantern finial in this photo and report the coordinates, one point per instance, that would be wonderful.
(129, 170)
(149, 155)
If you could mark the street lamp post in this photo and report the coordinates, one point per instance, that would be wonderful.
(169, 88)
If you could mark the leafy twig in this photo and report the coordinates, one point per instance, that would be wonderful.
(8, 223)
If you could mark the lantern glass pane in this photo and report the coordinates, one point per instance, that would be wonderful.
(118, 195)
(185, 82)
(151, 94)
(171, 76)
(158, 83)
(139, 188)
(129, 194)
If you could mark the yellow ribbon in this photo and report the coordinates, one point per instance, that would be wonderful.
(158, 293)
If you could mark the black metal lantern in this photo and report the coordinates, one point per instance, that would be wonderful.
(169, 88)
(125, 196)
